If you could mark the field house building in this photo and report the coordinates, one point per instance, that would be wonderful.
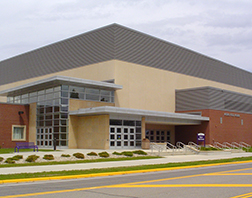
(114, 86)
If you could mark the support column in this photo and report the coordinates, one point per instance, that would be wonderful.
(143, 127)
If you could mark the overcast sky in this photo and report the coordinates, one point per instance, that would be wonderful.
(221, 29)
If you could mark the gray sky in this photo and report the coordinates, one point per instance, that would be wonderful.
(221, 29)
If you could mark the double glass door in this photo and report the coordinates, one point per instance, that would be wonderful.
(122, 137)
(45, 137)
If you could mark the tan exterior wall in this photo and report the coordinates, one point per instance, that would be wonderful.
(75, 104)
(143, 87)
(154, 89)
(32, 123)
(99, 71)
(73, 132)
(89, 132)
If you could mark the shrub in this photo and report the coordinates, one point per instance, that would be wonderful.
(1, 159)
(65, 155)
(79, 155)
(140, 152)
(92, 154)
(17, 157)
(48, 157)
(127, 153)
(10, 161)
(103, 154)
(116, 153)
(32, 158)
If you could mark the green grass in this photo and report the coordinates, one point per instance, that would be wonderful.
(78, 161)
(209, 149)
(11, 150)
(92, 171)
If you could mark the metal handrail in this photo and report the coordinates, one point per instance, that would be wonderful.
(236, 145)
(178, 145)
(245, 145)
(227, 145)
(218, 145)
(170, 146)
(196, 146)
(155, 146)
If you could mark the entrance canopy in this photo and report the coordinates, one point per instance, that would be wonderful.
(150, 116)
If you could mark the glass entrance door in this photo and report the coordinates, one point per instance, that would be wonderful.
(122, 137)
(45, 137)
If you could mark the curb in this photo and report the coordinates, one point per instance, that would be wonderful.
(115, 173)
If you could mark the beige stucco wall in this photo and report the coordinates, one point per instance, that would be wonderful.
(32, 122)
(89, 132)
(99, 71)
(154, 89)
(143, 87)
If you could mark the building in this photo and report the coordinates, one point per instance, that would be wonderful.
(114, 86)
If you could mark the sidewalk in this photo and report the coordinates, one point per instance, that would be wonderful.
(85, 166)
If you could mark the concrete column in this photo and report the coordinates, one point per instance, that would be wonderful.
(143, 127)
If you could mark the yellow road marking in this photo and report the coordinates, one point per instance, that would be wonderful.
(115, 173)
(143, 185)
(245, 174)
(179, 185)
(243, 195)
(53, 192)
(230, 171)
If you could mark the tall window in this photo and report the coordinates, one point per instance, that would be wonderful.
(18, 133)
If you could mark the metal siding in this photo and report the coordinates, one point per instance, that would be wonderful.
(121, 43)
(212, 98)
(192, 100)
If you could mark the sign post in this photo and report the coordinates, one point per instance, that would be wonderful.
(200, 138)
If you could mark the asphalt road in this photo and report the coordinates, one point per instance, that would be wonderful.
(234, 180)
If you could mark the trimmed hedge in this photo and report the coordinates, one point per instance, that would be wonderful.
(127, 153)
(10, 161)
(1, 159)
(17, 157)
(92, 154)
(48, 157)
(65, 155)
(139, 152)
(103, 154)
(116, 153)
(32, 158)
(79, 155)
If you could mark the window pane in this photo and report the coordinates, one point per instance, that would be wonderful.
(18, 133)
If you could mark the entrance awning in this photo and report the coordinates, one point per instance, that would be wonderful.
(150, 116)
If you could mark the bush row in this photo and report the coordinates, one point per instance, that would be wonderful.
(33, 158)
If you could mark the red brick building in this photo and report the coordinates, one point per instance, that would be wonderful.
(14, 124)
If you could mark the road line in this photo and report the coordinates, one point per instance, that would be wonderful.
(53, 192)
(243, 195)
(116, 173)
(181, 185)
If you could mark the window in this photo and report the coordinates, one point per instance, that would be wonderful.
(18, 132)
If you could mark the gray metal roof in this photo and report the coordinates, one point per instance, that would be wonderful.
(150, 116)
(56, 81)
(121, 43)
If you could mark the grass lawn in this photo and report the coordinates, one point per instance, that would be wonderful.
(105, 170)
(11, 150)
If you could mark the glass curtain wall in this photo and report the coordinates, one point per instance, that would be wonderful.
(53, 107)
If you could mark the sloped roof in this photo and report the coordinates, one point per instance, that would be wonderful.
(118, 42)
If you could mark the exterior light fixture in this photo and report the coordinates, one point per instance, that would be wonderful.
(20, 112)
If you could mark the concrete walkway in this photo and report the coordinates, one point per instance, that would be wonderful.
(85, 166)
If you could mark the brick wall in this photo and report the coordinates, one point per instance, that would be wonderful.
(9, 116)
(224, 126)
